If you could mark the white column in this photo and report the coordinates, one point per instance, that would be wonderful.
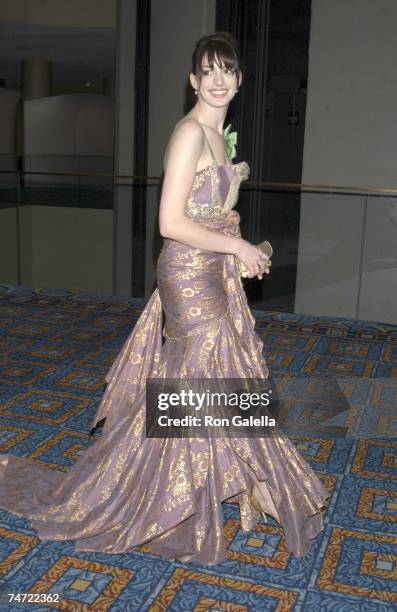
(176, 26)
(36, 78)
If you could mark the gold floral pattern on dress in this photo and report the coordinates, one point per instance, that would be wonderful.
(215, 207)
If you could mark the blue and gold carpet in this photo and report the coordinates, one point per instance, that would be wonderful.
(55, 348)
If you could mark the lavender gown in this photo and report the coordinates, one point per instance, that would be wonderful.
(127, 490)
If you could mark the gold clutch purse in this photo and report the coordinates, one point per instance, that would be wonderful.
(265, 247)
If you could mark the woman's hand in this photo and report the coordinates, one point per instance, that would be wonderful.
(253, 258)
(233, 217)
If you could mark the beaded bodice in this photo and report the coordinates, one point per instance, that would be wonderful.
(215, 190)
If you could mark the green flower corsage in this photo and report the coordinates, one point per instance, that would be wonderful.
(230, 141)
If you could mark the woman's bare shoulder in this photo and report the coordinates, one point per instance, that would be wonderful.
(187, 128)
(187, 136)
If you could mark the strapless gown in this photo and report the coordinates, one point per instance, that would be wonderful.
(128, 490)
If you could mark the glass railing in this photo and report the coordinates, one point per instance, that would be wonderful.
(66, 180)
(334, 246)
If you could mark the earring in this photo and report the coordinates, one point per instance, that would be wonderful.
(236, 90)
(196, 91)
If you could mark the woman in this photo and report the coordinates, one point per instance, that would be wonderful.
(129, 489)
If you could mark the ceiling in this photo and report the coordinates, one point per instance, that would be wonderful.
(85, 54)
(79, 54)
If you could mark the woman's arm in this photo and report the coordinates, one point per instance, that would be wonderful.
(184, 152)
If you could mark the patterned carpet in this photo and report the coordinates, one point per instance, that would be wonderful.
(55, 348)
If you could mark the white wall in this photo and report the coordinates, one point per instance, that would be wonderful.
(71, 133)
(350, 140)
(75, 124)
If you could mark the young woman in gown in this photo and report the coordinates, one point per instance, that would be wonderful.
(128, 490)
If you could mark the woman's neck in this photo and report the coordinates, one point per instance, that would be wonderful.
(213, 121)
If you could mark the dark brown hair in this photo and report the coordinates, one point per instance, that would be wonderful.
(223, 45)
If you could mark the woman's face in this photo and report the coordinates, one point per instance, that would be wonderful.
(218, 85)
